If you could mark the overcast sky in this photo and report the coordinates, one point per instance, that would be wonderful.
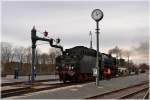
(125, 24)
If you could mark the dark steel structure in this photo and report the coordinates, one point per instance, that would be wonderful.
(34, 39)
(77, 63)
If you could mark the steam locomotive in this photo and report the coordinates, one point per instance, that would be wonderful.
(77, 63)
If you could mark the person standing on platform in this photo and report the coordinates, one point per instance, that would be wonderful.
(16, 73)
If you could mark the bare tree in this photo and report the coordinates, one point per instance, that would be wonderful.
(6, 51)
(12, 56)
(20, 54)
(28, 55)
(53, 53)
(52, 57)
(37, 56)
(44, 58)
(127, 54)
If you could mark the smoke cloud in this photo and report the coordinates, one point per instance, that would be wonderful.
(115, 50)
(141, 50)
(138, 52)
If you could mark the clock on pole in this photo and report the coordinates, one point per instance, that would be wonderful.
(97, 15)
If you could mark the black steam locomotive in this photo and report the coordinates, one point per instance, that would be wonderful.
(77, 63)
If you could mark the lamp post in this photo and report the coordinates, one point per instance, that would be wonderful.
(97, 15)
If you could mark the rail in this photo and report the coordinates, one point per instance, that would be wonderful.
(121, 93)
(146, 96)
(15, 83)
(35, 88)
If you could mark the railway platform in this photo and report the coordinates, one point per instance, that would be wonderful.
(10, 78)
(86, 90)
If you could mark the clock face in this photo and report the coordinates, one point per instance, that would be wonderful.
(97, 14)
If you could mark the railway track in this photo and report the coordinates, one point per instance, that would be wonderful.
(15, 83)
(146, 96)
(123, 93)
(139, 94)
(34, 88)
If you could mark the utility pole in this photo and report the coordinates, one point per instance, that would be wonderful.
(128, 64)
(97, 58)
(117, 54)
(90, 40)
(97, 15)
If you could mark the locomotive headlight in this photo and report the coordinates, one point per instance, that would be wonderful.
(56, 67)
(69, 67)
